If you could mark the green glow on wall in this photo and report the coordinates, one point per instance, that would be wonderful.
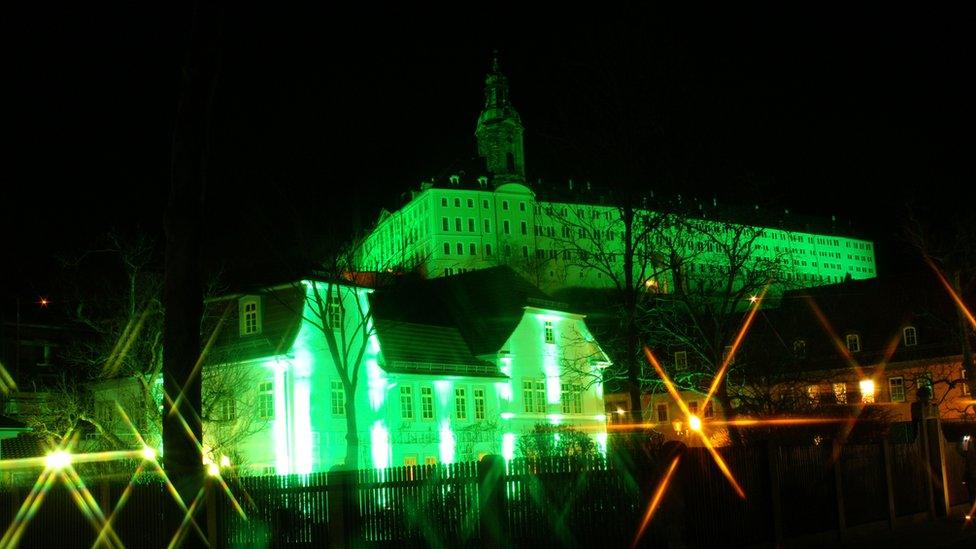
(503, 389)
(599, 389)
(280, 427)
(508, 446)
(553, 383)
(555, 419)
(447, 444)
(303, 427)
(601, 443)
(377, 384)
(379, 439)
(600, 417)
(507, 415)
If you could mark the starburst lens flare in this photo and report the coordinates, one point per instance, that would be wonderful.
(213, 470)
(57, 460)
(148, 453)
(694, 423)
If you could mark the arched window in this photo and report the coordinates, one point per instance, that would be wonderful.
(909, 336)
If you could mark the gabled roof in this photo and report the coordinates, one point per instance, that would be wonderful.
(453, 319)
(281, 320)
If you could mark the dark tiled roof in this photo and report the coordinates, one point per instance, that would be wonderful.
(281, 320)
(23, 446)
(452, 319)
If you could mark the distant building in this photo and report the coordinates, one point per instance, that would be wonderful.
(478, 220)
(451, 369)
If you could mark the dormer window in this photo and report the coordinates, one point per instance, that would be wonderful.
(854, 343)
(909, 336)
(800, 348)
(681, 361)
(250, 321)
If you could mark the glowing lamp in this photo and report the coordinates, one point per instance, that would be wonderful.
(224, 461)
(753, 299)
(694, 423)
(57, 460)
(148, 453)
(867, 390)
(677, 426)
(213, 470)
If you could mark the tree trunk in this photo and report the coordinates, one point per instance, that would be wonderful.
(631, 339)
(968, 368)
(182, 289)
(352, 433)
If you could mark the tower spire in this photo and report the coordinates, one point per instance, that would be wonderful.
(499, 130)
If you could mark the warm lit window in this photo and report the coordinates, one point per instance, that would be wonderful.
(338, 398)
(460, 403)
(534, 395)
(840, 393)
(693, 407)
(853, 343)
(426, 403)
(572, 398)
(266, 400)
(909, 336)
(430, 460)
(250, 317)
(965, 386)
(410, 460)
(406, 402)
(681, 360)
(896, 387)
(662, 413)
(813, 393)
(479, 404)
(867, 391)
(550, 338)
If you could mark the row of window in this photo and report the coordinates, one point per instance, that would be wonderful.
(484, 203)
(472, 249)
(535, 402)
(426, 411)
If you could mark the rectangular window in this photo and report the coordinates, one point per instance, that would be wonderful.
(524, 228)
(488, 250)
(910, 336)
(693, 407)
(338, 398)
(445, 224)
(410, 460)
(447, 248)
(430, 460)
(662, 413)
(522, 206)
(709, 411)
(227, 409)
(487, 226)
(470, 225)
(460, 403)
(479, 404)
(266, 400)
(250, 321)
(444, 201)
(426, 403)
(965, 385)
(840, 393)
(471, 203)
(484, 204)
(473, 249)
(534, 394)
(506, 227)
(550, 338)
(505, 204)
(335, 308)
(406, 402)
(457, 224)
(896, 387)
(457, 202)
(867, 391)
(853, 343)
(572, 398)
(681, 361)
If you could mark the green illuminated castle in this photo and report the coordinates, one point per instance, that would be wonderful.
(466, 223)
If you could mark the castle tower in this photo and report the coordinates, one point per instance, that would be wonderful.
(499, 131)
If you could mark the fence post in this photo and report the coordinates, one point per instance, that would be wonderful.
(839, 491)
(775, 492)
(889, 481)
(492, 503)
(343, 518)
(942, 474)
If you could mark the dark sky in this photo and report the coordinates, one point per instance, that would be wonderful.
(324, 116)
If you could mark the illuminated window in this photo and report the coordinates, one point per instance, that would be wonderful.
(681, 360)
(426, 403)
(460, 403)
(506, 228)
(445, 224)
(813, 393)
(867, 391)
(534, 395)
(430, 460)
(853, 343)
(266, 400)
(479, 404)
(338, 399)
(410, 460)
(693, 407)
(336, 314)
(406, 402)
(572, 398)
(550, 338)
(910, 336)
(840, 393)
(662, 413)
(896, 387)
(250, 317)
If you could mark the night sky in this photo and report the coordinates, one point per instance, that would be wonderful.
(323, 117)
